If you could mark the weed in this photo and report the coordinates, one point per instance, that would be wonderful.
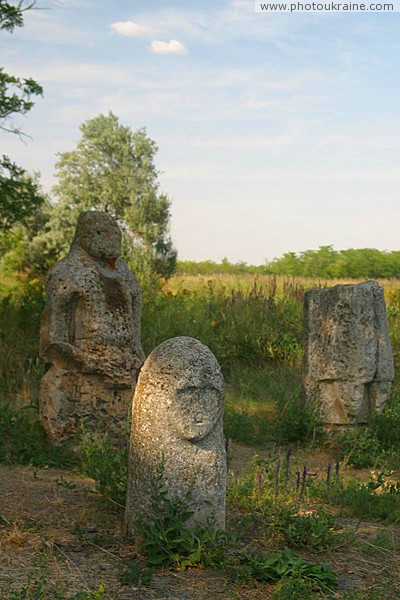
(298, 422)
(286, 564)
(134, 574)
(360, 448)
(293, 589)
(39, 588)
(261, 491)
(315, 531)
(385, 426)
(166, 539)
(378, 498)
(107, 465)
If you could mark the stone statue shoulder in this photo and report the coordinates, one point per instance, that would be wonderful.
(126, 273)
(73, 273)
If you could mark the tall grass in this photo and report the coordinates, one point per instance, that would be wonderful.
(20, 369)
(253, 326)
(255, 331)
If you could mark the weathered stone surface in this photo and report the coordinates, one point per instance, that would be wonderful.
(348, 363)
(178, 410)
(90, 334)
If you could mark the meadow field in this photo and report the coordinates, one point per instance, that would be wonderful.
(309, 514)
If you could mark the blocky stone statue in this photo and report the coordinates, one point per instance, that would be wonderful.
(90, 334)
(348, 363)
(177, 413)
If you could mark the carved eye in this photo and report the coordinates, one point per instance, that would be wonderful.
(98, 232)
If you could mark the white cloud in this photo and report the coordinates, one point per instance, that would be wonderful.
(171, 47)
(247, 5)
(130, 29)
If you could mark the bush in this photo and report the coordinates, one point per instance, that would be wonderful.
(385, 426)
(360, 447)
(107, 465)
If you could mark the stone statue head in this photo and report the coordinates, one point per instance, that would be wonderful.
(184, 378)
(99, 235)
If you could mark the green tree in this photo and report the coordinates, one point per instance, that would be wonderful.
(112, 169)
(19, 192)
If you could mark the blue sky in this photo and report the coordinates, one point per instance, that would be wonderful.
(276, 132)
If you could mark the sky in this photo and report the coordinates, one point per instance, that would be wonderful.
(276, 132)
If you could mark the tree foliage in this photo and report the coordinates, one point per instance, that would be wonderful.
(112, 169)
(19, 192)
(16, 93)
(327, 263)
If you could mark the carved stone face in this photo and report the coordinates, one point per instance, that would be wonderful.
(195, 407)
(99, 235)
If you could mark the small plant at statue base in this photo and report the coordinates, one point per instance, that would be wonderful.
(166, 539)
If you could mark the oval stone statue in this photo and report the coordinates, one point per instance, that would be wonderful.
(177, 417)
(90, 334)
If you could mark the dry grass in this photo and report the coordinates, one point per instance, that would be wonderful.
(53, 515)
(246, 281)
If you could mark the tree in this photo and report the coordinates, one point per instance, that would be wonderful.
(112, 169)
(19, 192)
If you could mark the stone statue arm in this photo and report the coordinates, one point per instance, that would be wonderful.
(57, 335)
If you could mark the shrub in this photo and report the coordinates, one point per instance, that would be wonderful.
(360, 447)
(107, 465)
(385, 426)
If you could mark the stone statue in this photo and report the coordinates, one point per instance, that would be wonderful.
(90, 334)
(177, 414)
(348, 363)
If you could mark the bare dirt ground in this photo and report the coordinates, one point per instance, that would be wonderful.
(53, 525)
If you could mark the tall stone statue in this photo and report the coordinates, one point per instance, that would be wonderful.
(348, 363)
(90, 334)
(177, 414)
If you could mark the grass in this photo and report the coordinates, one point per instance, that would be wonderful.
(255, 329)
